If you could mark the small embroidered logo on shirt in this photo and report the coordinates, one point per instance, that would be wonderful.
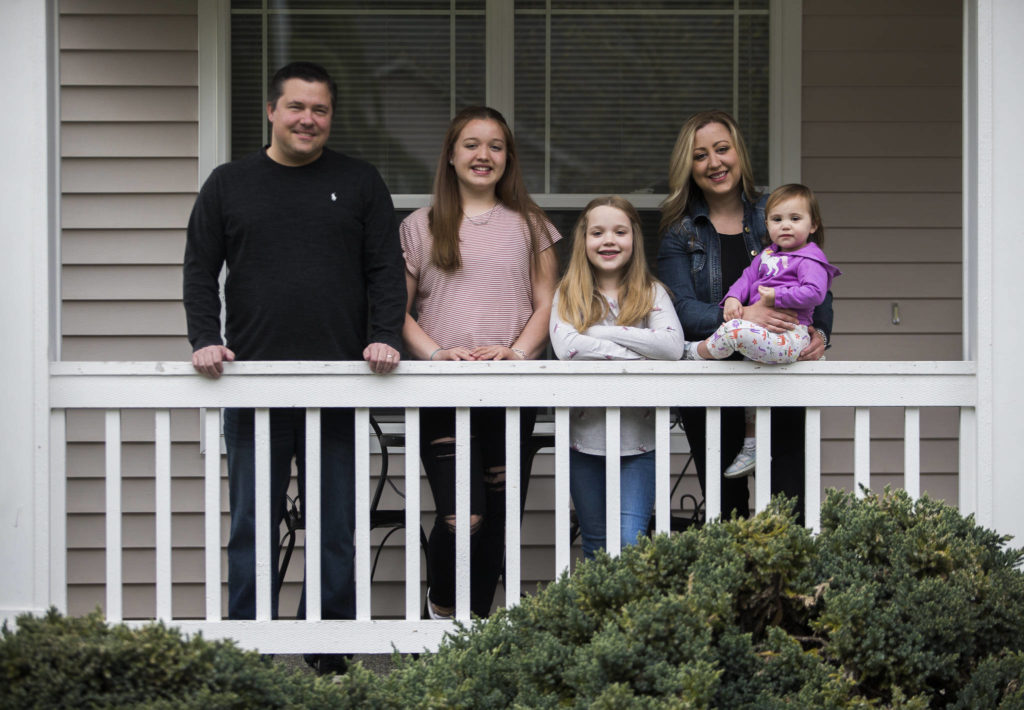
(334, 197)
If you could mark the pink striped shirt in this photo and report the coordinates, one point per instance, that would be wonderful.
(489, 300)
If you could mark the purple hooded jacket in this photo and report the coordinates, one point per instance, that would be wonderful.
(800, 279)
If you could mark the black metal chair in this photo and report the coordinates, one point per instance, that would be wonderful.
(393, 519)
(295, 518)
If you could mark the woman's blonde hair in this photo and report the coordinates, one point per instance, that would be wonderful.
(445, 215)
(786, 192)
(682, 189)
(579, 302)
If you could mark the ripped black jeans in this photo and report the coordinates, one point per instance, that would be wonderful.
(487, 498)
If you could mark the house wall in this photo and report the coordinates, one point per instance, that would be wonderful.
(881, 146)
(129, 148)
(128, 177)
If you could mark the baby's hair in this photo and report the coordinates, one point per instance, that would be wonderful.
(787, 192)
(579, 301)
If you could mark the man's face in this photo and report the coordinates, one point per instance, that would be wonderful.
(300, 122)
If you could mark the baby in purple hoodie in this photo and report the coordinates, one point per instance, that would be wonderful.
(791, 273)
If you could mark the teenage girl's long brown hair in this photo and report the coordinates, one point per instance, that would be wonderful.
(579, 302)
(445, 215)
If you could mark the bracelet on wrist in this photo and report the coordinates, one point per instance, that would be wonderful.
(435, 353)
(520, 352)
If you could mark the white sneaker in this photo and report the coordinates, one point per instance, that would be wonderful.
(433, 614)
(742, 465)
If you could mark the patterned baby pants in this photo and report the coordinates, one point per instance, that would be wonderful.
(757, 343)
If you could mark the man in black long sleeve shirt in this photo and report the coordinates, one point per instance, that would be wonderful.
(311, 244)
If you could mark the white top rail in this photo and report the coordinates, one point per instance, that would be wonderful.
(540, 383)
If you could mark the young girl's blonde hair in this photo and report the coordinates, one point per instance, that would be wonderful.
(579, 302)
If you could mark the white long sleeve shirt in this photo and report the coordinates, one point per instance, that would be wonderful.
(658, 337)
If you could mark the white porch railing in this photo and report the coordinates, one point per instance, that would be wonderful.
(113, 387)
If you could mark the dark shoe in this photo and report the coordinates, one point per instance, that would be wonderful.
(327, 663)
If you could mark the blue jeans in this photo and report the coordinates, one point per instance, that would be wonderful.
(288, 442)
(636, 488)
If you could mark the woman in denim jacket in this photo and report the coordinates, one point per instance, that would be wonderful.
(713, 224)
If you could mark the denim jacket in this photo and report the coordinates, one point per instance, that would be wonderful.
(690, 265)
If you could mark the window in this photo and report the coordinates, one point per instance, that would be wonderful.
(602, 87)
(401, 69)
(597, 96)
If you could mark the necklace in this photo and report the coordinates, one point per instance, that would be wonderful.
(483, 217)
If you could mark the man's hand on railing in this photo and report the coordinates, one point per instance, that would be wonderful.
(381, 358)
(209, 361)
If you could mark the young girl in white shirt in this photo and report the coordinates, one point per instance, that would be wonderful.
(609, 307)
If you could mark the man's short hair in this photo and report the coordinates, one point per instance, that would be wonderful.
(307, 71)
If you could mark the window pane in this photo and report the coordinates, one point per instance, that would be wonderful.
(620, 88)
(394, 82)
(601, 86)
(530, 128)
(752, 111)
(587, 5)
(389, 6)
(246, 85)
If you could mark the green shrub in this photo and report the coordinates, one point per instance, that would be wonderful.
(896, 604)
(997, 682)
(918, 595)
(61, 662)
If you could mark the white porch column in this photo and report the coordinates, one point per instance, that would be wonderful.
(25, 186)
(994, 240)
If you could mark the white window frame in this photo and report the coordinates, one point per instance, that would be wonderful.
(785, 92)
(214, 42)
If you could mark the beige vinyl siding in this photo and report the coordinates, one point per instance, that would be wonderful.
(158, 139)
(129, 173)
(123, 246)
(881, 148)
(155, 318)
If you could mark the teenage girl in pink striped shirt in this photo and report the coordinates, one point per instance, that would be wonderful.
(481, 274)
